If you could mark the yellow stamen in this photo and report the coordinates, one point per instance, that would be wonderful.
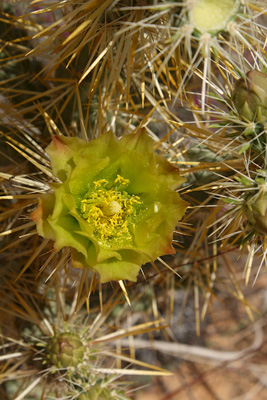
(122, 180)
(109, 211)
(100, 182)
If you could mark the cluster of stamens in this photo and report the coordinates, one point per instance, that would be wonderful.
(110, 210)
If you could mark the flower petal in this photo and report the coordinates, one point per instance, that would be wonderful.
(114, 270)
(61, 151)
(40, 215)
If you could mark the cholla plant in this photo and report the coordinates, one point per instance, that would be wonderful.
(52, 346)
(194, 38)
(244, 222)
(110, 108)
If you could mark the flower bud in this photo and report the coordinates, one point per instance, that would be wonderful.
(65, 350)
(102, 392)
(257, 212)
(250, 96)
(212, 16)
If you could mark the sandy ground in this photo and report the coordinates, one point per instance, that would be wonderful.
(229, 330)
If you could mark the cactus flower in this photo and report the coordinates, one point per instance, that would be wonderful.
(250, 96)
(116, 206)
(65, 350)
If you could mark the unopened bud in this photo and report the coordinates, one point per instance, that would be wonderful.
(257, 212)
(65, 350)
(250, 96)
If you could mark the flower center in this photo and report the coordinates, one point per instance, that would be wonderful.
(110, 210)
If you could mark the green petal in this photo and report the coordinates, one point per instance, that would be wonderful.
(40, 215)
(155, 226)
(135, 168)
(139, 142)
(101, 147)
(168, 173)
(65, 225)
(61, 151)
(59, 206)
(85, 172)
(116, 270)
(111, 269)
(65, 229)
